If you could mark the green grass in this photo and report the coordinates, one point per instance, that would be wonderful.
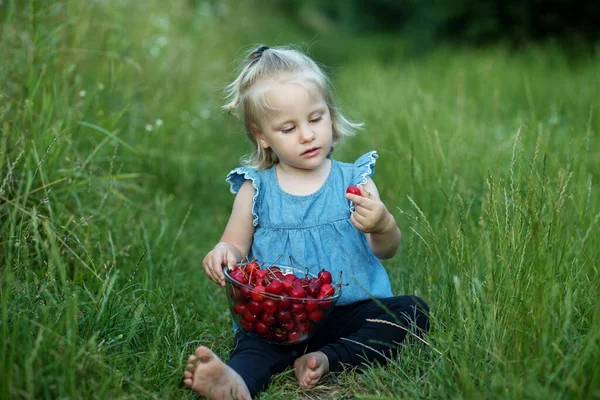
(488, 159)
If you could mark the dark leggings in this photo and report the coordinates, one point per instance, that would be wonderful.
(346, 337)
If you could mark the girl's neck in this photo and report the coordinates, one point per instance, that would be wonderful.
(302, 182)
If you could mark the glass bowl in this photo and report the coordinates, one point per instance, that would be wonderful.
(284, 317)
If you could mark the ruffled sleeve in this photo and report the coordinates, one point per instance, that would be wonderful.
(236, 179)
(364, 166)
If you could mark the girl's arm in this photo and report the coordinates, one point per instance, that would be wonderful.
(373, 218)
(237, 237)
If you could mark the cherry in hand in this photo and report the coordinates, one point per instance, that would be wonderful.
(353, 190)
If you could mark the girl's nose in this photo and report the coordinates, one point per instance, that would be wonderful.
(306, 135)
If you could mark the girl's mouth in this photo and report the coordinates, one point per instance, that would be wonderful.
(311, 152)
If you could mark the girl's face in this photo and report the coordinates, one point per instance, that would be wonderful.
(299, 130)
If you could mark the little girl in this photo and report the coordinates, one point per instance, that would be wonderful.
(291, 200)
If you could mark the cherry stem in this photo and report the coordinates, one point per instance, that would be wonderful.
(274, 275)
(340, 284)
(278, 258)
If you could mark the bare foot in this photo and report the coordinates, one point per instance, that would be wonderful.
(212, 378)
(310, 368)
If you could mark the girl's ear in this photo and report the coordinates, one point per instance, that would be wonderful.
(260, 138)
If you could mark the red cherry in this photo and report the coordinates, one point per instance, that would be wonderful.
(284, 304)
(239, 308)
(327, 290)
(297, 284)
(251, 268)
(324, 304)
(269, 320)
(269, 306)
(248, 316)
(287, 285)
(239, 276)
(304, 282)
(301, 317)
(275, 287)
(289, 326)
(324, 277)
(245, 293)
(254, 307)
(278, 275)
(247, 326)
(298, 293)
(284, 316)
(271, 271)
(261, 274)
(353, 190)
(257, 293)
(297, 308)
(311, 306)
(314, 287)
(261, 328)
(316, 316)
(236, 270)
(279, 336)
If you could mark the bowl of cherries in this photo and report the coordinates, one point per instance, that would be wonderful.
(278, 303)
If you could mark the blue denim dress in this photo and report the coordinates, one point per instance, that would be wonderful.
(315, 230)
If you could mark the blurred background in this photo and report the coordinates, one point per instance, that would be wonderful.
(114, 151)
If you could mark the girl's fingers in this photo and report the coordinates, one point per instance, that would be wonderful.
(218, 272)
(206, 269)
(212, 274)
(361, 201)
(364, 192)
(230, 261)
(362, 212)
(356, 222)
(360, 219)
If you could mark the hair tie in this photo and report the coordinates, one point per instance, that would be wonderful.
(258, 52)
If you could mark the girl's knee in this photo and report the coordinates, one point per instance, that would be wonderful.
(413, 310)
(420, 304)
(421, 313)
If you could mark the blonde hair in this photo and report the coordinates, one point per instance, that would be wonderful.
(246, 99)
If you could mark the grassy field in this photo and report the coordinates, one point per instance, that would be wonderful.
(113, 153)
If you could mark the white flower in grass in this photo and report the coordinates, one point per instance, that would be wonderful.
(154, 51)
(159, 122)
(162, 41)
(149, 127)
(100, 86)
(82, 93)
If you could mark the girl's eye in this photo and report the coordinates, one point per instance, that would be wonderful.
(320, 117)
(287, 130)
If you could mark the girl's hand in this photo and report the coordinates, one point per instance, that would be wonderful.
(370, 214)
(222, 255)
